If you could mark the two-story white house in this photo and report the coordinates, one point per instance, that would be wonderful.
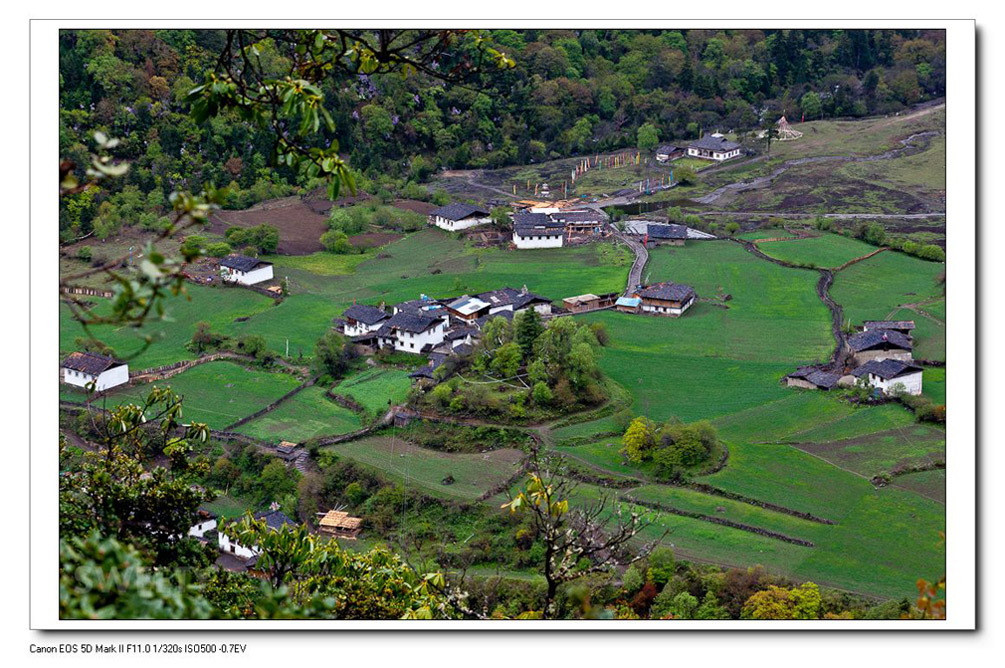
(713, 147)
(362, 319)
(105, 372)
(245, 270)
(537, 230)
(458, 216)
(888, 374)
(411, 332)
(510, 299)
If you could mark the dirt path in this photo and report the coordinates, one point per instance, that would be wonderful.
(638, 265)
(837, 216)
(840, 353)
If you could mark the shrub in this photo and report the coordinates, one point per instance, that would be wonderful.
(84, 253)
(219, 249)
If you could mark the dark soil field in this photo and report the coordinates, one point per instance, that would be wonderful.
(300, 225)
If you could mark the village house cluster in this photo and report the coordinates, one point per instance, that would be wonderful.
(436, 328)
(535, 224)
(881, 355)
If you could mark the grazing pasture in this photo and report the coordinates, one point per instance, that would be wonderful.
(217, 393)
(308, 414)
(875, 288)
(927, 483)
(827, 250)
(374, 388)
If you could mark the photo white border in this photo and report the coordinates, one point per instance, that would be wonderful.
(961, 427)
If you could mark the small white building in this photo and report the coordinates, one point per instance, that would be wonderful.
(206, 523)
(888, 374)
(458, 216)
(274, 519)
(245, 270)
(411, 332)
(714, 148)
(105, 372)
(361, 319)
(668, 152)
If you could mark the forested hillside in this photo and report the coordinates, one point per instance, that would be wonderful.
(569, 92)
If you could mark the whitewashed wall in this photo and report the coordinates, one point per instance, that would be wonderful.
(252, 277)
(554, 241)
(454, 225)
(112, 378)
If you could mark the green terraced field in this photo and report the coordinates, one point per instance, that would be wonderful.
(308, 414)
(424, 468)
(929, 335)
(875, 288)
(827, 250)
(218, 393)
(375, 387)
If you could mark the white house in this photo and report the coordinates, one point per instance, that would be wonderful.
(713, 148)
(458, 216)
(889, 374)
(245, 270)
(412, 332)
(361, 319)
(537, 230)
(105, 372)
(273, 519)
(206, 523)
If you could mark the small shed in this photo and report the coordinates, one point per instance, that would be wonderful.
(581, 303)
(340, 524)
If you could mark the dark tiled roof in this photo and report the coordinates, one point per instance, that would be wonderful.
(879, 338)
(92, 364)
(889, 324)
(507, 296)
(710, 143)
(669, 231)
(528, 219)
(667, 149)
(410, 322)
(549, 230)
(241, 262)
(674, 292)
(422, 372)
(886, 369)
(275, 519)
(458, 211)
(461, 333)
(590, 216)
(368, 315)
(823, 379)
(463, 349)
(501, 314)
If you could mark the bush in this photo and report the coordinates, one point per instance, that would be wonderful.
(85, 253)
(219, 249)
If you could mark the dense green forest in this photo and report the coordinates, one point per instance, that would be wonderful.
(569, 92)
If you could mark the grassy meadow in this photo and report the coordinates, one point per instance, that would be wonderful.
(308, 414)
(827, 250)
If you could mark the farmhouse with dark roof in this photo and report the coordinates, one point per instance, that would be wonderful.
(274, 519)
(105, 372)
(669, 152)
(537, 230)
(411, 332)
(362, 319)
(245, 270)
(667, 298)
(812, 378)
(713, 148)
(880, 344)
(887, 374)
(458, 216)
